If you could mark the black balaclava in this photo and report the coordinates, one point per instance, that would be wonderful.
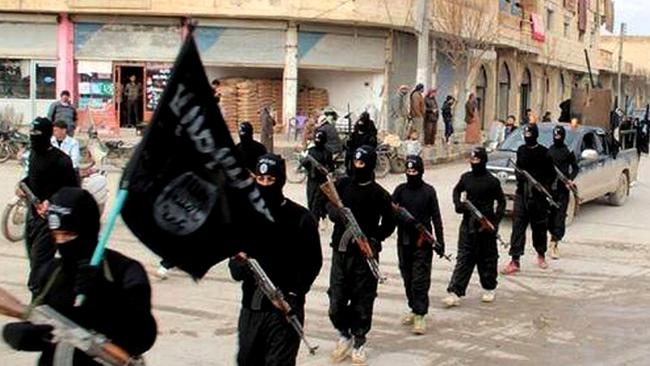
(75, 210)
(245, 132)
(368, 155)
(320, 139)
(414, 162)
(273, 165)
(559, 134)
(531, 132)
(480, 153)
(41, 134)
(363, 124)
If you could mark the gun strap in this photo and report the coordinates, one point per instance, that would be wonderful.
(38, 300)
(345, 240)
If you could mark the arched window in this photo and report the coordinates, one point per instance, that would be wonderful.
(504, 91)
(481, 93)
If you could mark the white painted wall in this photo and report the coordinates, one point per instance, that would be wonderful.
(363, 90)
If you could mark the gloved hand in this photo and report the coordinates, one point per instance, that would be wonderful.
(26, 336)
(88, 279)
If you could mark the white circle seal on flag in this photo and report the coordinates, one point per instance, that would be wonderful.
(184, 204)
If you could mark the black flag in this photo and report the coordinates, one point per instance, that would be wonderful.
(190, 199)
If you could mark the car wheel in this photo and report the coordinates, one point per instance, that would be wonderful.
(397, 165)
(618, 197)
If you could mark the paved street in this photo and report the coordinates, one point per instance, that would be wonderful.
(589, 308)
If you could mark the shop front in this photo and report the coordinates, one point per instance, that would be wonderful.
(122, 68)
(347, 63)
(27, 69)
(247, 57)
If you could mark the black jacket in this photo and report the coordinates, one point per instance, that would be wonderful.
(371, 206)
(119, 307)
(564, 160)
(49, 171)
(538, 163)
(251, 151)
(422, 202)
(324, 157)
(291, 256)
(483, 190)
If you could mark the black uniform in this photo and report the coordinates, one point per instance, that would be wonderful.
(334, 144)
(419, 199)
(566, 162)
(530, 205)
(249, 149)
(477, 246)
(292, 258)
(50, 169)
(118, 294)
(353, 287)
(364, 134)
(315, 199)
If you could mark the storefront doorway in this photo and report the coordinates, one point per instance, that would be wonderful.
(130, 102)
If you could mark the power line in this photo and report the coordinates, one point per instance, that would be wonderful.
(331, 10)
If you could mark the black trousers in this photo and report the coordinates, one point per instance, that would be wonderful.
(266, 338)
(415, 267)
(533, 211)
(132, 111)
(557, 227)
(475, 249)
(40, 247)
(352, 294)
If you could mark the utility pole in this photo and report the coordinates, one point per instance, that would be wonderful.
(620, 66)
(422, 16)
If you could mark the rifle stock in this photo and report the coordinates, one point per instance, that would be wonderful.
(31, 197)
(360, 238)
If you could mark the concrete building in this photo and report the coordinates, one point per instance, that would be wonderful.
(636, 66)
(359, 51)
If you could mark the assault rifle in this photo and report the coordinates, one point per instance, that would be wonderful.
(31, 197)
(353, 230)
(276, 297)
(68, 335)
(317, 165)
(568, 183)
(485, 223)
(537, 185)
(425, 236)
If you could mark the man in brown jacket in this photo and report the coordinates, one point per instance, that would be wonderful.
(417, 110)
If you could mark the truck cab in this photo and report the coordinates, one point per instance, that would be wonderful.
(607, 168)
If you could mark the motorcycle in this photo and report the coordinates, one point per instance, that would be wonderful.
(12, 144)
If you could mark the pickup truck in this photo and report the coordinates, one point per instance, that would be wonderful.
(605, 169)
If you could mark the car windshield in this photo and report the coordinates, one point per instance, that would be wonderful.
(516, 139)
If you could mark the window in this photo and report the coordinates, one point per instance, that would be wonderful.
(45, 82)
(567, 25)
(549, 20)
(14, 78)
(510, 6)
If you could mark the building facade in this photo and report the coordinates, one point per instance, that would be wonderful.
(357, 52)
